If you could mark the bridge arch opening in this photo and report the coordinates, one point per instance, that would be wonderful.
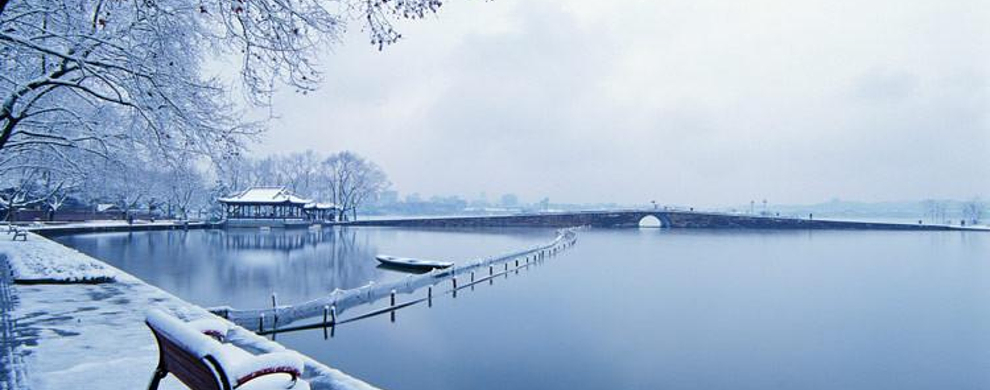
(650, 222)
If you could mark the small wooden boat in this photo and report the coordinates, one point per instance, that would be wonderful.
(406, 262)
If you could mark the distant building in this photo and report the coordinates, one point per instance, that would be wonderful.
(273, 207)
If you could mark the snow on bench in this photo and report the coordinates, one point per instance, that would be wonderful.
(38, 260)
(202, 362)
(211, 327)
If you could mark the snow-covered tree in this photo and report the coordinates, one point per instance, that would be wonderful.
(973, 210)
(351, 181)
(299, 172)
(186, 188)
(116, 77)
(127, 184)
(20, 190)
(232, 174)
(32, 178)
(58, 186)
(306, 173)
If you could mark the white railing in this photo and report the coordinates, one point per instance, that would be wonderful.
(339, 301)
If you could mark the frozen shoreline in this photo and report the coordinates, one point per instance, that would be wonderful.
(68, 334)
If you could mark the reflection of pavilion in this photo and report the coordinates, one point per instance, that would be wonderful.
(273, 207)
(282, 241)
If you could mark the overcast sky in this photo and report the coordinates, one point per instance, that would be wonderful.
(692, 102)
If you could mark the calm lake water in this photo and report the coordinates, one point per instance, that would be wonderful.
(623, 309)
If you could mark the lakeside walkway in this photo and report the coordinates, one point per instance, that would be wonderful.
(67, 335)
(11, 365)
(113, 226)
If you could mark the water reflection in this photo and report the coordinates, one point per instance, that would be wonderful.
(444, 284)
(243, 267)
(279, 240)
(623, 309)
(629, 309)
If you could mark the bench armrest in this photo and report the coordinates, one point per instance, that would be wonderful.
(247, 368)
(212, 327)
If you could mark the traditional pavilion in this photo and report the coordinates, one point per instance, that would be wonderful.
(273, 206)
(321, 212)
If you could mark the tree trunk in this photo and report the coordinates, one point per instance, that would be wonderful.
(8, 130)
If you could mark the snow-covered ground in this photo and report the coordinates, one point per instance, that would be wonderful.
(93, 335)
(105, 222)
(38, 260)
(11, 362)
(100, 225)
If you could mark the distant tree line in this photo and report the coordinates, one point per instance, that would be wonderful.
(971, 211)
(172, 188)
(188, 188)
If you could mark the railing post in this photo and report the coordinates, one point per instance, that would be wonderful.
(275, 307)
(326, 314)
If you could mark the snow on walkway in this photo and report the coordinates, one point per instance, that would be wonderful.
(105, 223)
(11, 366)
(93, 335)
(37, 260)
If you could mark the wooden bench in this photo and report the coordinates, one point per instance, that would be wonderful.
(203, 363)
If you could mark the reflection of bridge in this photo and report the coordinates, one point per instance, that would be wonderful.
(632, 218)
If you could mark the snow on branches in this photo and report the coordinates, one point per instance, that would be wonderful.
(113, 77)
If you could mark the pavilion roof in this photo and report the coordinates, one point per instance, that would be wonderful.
(321, 206)
(265, 195)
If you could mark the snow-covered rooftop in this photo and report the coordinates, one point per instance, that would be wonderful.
(106, 206)
(321, 206)
(265, 195)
